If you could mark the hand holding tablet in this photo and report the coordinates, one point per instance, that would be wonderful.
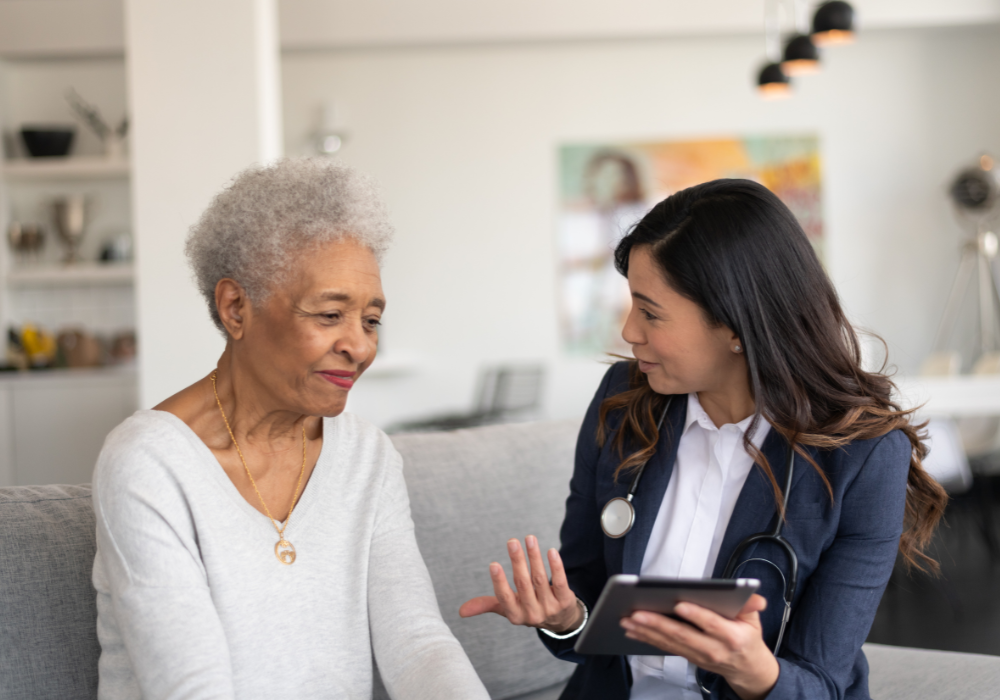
(625, 594)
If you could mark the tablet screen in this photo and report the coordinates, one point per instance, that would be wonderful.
(625, 594)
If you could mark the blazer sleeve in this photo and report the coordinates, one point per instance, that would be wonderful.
(838, 602)
(581, 537)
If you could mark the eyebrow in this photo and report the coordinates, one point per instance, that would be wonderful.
(646, 299)
(377, 302)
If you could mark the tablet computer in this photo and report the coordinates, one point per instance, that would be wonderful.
(624, 594)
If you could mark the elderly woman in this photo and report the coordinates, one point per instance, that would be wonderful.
(254, 540)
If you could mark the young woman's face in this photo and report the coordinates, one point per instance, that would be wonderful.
(677, 349)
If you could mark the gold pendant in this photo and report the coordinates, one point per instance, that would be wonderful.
(285, 551)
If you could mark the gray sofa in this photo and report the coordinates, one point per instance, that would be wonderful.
(470, 491)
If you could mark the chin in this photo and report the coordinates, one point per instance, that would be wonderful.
(662, 385)
(332, 410)
(325, 406)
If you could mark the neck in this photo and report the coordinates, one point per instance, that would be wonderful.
(254, 416)
(730, 405)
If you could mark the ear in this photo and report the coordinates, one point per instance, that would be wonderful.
(736, 345)
(233, 305)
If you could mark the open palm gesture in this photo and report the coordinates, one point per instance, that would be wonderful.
(536, 602)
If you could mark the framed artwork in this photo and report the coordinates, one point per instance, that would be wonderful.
(604, 189)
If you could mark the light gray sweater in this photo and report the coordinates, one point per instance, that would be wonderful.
(192, 602)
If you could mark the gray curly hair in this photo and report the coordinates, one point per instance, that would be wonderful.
(268, 215)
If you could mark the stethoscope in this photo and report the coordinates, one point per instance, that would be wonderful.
(618, 517)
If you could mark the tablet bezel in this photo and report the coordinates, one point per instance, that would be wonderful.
(624, 594)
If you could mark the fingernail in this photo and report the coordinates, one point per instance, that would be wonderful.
(494, 569)
(639, 618)
(531, 541)
(631, 635)
(681, 609)
(512, 546)
(627, 624)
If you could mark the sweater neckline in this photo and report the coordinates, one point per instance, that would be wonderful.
(218, 475)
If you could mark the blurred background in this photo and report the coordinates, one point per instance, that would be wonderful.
(515, 142)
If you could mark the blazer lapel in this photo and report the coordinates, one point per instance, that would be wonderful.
(653, 485)
(755, 509)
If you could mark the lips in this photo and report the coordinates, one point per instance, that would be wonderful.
(646, 366)
(342, 378)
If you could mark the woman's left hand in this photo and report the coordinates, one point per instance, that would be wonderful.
(734, 649)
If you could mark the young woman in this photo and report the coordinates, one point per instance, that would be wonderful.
(745, 367)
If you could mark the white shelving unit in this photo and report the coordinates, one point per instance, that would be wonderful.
(53, 169)
(44, 290)
(96, 297)
(71, 275)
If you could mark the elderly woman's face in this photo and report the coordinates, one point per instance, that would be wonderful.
(316, 334)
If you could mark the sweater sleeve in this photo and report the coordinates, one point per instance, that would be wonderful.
(159, 595)
(418, 657)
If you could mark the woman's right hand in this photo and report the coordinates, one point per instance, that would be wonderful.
(536, 602)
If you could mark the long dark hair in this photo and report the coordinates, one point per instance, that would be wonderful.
(733, 248)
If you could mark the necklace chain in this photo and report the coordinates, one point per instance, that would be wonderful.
(287, 553)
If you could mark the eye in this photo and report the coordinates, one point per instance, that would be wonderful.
(373, 323)
(646, 315)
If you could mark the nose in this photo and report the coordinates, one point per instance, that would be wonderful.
(631, 332)
(354, 343)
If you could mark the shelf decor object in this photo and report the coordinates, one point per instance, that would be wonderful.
(113, 139)
(70, 216)
(48, 141)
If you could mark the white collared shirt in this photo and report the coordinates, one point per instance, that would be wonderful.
(708, 475)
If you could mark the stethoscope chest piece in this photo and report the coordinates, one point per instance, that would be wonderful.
(617, 517)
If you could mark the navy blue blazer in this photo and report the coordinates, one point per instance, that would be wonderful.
(846, 550)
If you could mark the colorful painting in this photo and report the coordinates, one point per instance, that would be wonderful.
(605, 189)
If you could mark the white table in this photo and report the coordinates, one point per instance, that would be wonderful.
(950, 396)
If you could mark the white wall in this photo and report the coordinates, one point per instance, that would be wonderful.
(464, 140)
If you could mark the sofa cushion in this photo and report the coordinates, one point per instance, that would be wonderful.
(48, 625)
(470, 491)
(900, 673)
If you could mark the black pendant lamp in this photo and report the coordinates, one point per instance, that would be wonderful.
(833, 24)
(801, 56)
(772, 83)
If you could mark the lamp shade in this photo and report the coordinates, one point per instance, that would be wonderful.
(772, 83)
(833, 24)
(801, 56)
(976, 189)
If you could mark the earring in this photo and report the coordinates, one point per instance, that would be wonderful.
(737, 349)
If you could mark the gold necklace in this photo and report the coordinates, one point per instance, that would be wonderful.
(284, 549)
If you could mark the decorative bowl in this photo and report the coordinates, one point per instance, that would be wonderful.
(47, 142)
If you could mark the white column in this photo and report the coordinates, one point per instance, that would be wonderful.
(204, 96)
